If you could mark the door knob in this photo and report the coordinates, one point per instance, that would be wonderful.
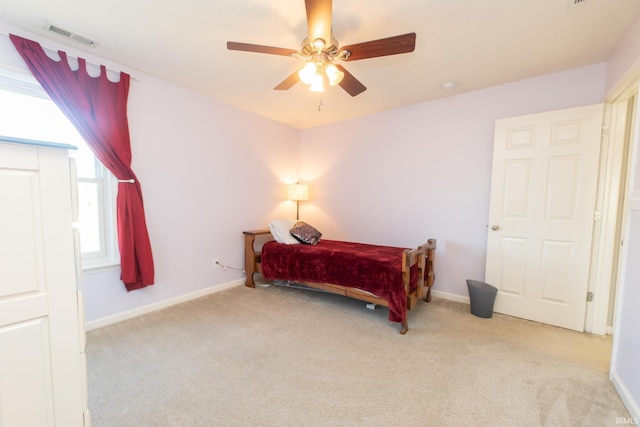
(495, 227)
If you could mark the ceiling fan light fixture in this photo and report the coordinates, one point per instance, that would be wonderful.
(320, 49)
(334, 75)
(307, 73)
(317, 85)
(313, 74)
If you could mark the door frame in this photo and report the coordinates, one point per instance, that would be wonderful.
(608, 221)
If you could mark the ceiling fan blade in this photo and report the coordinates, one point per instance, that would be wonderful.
(389, 46)
(319, 19)
(349, 83)
(248, 47)
(288, 82)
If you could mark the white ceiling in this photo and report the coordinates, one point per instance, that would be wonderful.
(475, 43)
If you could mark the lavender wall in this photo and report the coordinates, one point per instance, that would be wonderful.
(208, 171)
(424, 171)
(624, 64)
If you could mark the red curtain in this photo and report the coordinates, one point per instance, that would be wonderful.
(98, 109)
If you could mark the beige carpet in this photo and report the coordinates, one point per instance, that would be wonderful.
(275, 356)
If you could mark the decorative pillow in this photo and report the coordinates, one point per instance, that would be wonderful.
(305, 233)
(280, 231)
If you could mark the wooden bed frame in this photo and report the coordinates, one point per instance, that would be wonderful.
(423, 257)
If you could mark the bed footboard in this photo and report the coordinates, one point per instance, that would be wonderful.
(423, 257)
(430, 251)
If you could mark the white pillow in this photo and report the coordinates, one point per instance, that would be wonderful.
(280, 230)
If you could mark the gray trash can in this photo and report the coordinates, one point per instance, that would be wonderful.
(481, 296)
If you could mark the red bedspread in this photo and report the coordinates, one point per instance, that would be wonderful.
(376, 269)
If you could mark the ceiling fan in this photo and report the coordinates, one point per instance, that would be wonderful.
(320, 50)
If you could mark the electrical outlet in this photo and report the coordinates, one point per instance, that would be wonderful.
(216, 263)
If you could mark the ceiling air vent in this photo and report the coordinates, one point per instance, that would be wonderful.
(71, 35)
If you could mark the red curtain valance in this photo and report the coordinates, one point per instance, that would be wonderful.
(97, 107)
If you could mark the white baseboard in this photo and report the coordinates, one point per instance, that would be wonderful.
(130, 314)
(450, 297)
(465, 300)
(110, 320)
(629, 402)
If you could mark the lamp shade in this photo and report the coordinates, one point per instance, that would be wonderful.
(298, 192)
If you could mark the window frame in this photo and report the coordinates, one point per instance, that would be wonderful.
(108, 256)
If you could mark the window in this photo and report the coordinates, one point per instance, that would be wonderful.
(27, 112)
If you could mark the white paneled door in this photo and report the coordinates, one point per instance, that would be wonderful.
(542, 211)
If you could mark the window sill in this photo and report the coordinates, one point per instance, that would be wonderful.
(100, 268)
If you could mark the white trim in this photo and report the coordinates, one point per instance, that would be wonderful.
(108, 256)
(605, 238)
(450, 297)
(51, 42)
(100, 268)
(126, 315)
(607, 251)
(149, 308)
(627, 398)
(22, 81)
